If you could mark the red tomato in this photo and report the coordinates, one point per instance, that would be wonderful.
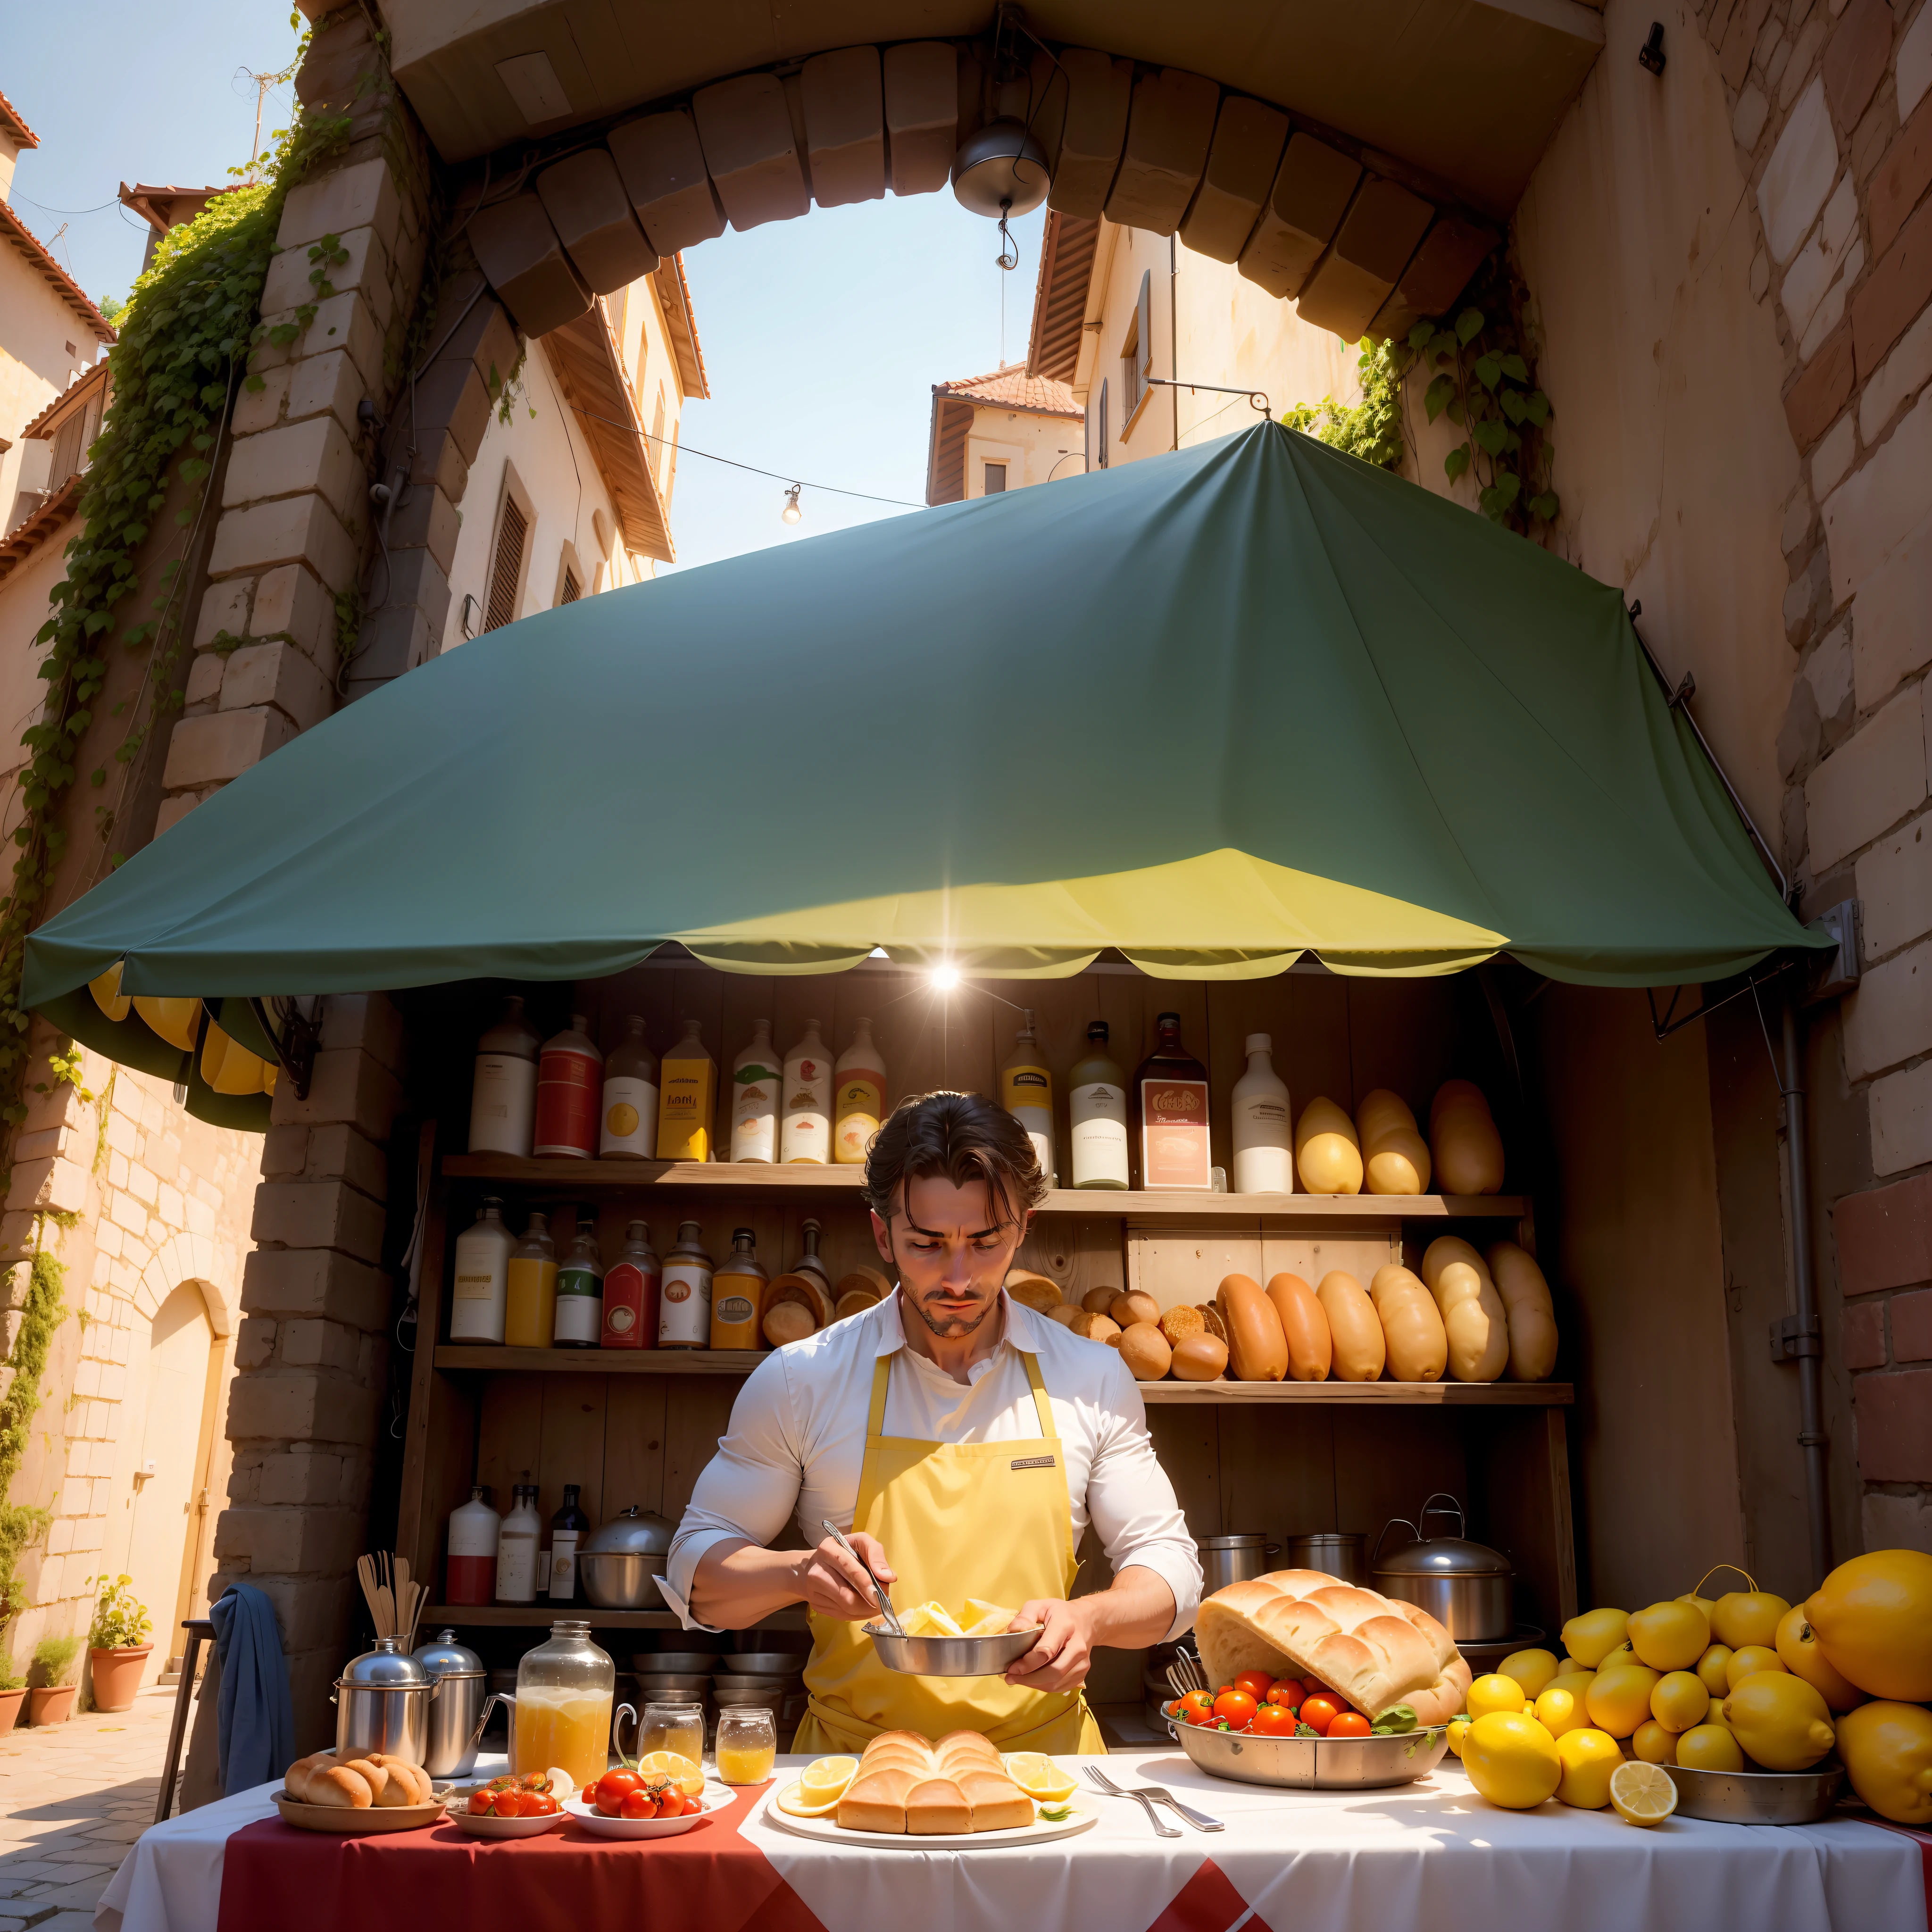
(610, 1803)
(1255, 1683)
(639, 1804)
(1238, 1707)
(1286, 1694)
(672, 1803)
(481, 1805)
(620, 1781)
(546, 1806)
(1274, 1720)
(1196, 1701)
(1318, 1713)
(1348, 1724)
(1200, 1714)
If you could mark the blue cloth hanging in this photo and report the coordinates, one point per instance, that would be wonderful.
(255, 1715)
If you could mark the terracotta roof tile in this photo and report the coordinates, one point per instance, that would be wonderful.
(1009, 387)
(11, 123)
(30, 245)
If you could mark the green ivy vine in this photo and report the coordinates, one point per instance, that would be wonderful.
(1371, 429)
(45, 1308)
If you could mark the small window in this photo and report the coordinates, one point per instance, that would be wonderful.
(506, 570)
(657, 441)
(1137, 355)
(572, 590)
(996, 479)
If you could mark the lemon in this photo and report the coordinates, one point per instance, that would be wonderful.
(1798, 1651)
(1038, 1776)
(989, 1619)
(794, 1800)
(1590, 1638)
(1670, 1636)
(1561, 1711)
(1748, 1661)
(1622, 1658)
(1654, 1743)
(1576, 1682)
(1494, 1692)
(1887, 1747)
(1459, 1728)
(1618, 1700)
(1709, 1747)
(1715, 1716)
(1873, 1619)
(1747, 1617)
(1511, 1759)
(1712, 1667)
(1642, 1793)
(1679, 1700)
(1780, 1720)
(676, 1766)
(828, 1776)
(1589, 1757)
(1532, 1668)
(1706, 1604)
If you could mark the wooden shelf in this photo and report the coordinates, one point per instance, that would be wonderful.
(566, 1176)
(541, 1615)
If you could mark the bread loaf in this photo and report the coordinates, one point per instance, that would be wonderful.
(1455, 1093)
(1328, 1152)
(855, 1301)
(787, 1321)
(996, 1802)
(1257, 1349)
(1304, 1328)
(1100, 1328)
(338, 1785)
(1444, 1250)
(906, 1784)
(1177, 1324)
(1355, 1328)
(295, 1780)
(1462, 1138)
(935, 1805)
(406, 1783)
(1066, 1314)
(1381, 1111)
(1098, 1301)
(373, 1774)
(1532, 1316)
(1411, 1325)
(808, 1291)
(1134, 1307)
(1398, 1163)
(1144, 1349)
(1474, 1322)
(1033, 1291)
(1200, 1358)
(875, 1800)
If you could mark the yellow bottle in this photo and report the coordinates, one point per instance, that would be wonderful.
(738, 1295)
(529, 1316)
(859, 1093)
(687, 1099)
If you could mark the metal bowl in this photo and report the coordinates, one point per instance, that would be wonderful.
(665, 1683)
(953, 1656)
(725, 1681)
(763, 1663)
(1758, 1797)
(679, 1662)
(753, 1700)
(1316, 1764)
(622, 1580)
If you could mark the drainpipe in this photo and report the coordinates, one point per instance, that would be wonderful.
(1174, 330)
(1801, 1336)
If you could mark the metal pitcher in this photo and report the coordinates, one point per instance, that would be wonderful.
(455, 1713)
(382, 1701)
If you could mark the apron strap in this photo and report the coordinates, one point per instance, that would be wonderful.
(1039, 1401)
(882, 1373)
(875, 1416)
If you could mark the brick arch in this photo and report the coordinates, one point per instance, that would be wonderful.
(182, 1258)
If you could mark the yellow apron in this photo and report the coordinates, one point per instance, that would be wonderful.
(987, 1519)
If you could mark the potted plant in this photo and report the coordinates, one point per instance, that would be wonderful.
(13, 1693)
(117, 1645)
(50, 1699)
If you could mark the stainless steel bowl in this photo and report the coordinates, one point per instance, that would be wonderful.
(679, 1662)
(749, 1700)
(622, 1580)
(660, 1683)
(953, 1656)
(763, 1663)
(1316, 1764)
(728, 1681)
(1758, 1797)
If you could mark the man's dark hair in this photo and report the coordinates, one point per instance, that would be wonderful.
(965, 1137)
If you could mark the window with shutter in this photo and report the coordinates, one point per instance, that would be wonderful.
(572, 590)
(1137, 356)
(996, 478)
(1100, 424)
(506, 568)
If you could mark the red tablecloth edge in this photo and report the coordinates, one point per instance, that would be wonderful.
(1923, 1841)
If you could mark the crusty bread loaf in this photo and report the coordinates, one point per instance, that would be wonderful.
(373, 1774)
(787, 1321)
(1376, 1652)
(997, 1803)
(337, 1785)
(876, 1801)
(295, 1780)
(409, 1783)
(936, 1805)
(906, 1783)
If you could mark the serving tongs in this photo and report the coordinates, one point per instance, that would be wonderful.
(885, 1603)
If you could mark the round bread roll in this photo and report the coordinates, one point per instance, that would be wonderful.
(1134, 1307)
(1532, 1316)
(1145, 1350)
(1098, 1301)
(855, 1301)
(1475, 1322)
(808, 1291)
(1256, 1346)
(1102, 1328)
(1411, 1325)
(787, 1321)
(1304, 1328)
(1210, 1320)
(1327, 1154)
(1360, 1347)
(1066, 1314)
(1200, 1359)
(1176, 1324)
(1397, 1163)
(1381, 1112)
(1033, 1291)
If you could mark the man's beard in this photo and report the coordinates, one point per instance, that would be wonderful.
(955, 1326)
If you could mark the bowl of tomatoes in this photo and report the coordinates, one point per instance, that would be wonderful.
(514, 1807)
(1294, 1731)
(628, 1804)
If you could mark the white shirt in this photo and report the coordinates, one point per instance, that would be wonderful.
(797, 1439)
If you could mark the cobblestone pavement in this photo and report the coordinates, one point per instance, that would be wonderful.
(73, 1798)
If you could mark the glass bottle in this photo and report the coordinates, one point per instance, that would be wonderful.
(631, 1284)
(756, 1077)
(530, 1314)
(1026, 1092)
(811, 1260)
(1263, 1126)
(579, 1321)
(567, 1528)
(629, 1120)
(480, 1295)
(859, 1097)
(517, 1548)
(1170, 1102)
(503, 1090)
(570, 1080)
(684, 1321)
(805, 1127)
(738, 1295)
(474, 1532)
(687, 1097)
(564, 1692)
(1096, 1104)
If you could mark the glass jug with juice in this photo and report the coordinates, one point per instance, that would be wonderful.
(564, 1690)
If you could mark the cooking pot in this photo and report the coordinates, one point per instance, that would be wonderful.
(1233, 1559)
(1466, 1587)
(1335, 1553)
(382, 1702)
(621, 1561)
(456, 1713)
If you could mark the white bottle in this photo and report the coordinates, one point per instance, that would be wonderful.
(481, 1294)
(503, 1094)
(1263, 1154)
(628, 1129)
(1096, 1104)
(805, 1132)
(517, 1549)
(756, 1078)
(474, 1530)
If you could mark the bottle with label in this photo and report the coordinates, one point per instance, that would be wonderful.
(503, 1093)
(738, 1295)
(684, 1320)
(805, 1123)
(1097, 1103)
(1026, 1092)
(530, 1316)
(756, 1078)
(473, 1532)
(579, 1321)
(631, 1286)
(481, 1291)
(858, 1098)
(1264, 1149)
(629, 1125)
(687, 1098)
(1170, 1114)
(567, 1528)
(811, 1262)
(570, 1080)
(517, 1548)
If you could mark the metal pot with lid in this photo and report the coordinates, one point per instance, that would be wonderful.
(1233, 1559)
(1466, 1587)
(382, 1702)
(454, 1715)
(620, 1561)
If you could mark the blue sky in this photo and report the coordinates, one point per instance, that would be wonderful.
(822, 337)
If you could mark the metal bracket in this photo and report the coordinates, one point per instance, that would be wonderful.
(1686, 689)
(1257, 398)
(295, 1039)
(1670, 1020)
(1792, 1336)
(1830, 976)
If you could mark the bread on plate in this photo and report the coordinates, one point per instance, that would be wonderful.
(907, 1783)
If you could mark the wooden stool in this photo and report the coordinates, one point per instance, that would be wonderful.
(200, 1630)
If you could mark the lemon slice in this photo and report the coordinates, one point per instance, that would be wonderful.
(795, 1802)
(827, 1778)
(1642, 1793)
(1038, 1776)
(675, 1765)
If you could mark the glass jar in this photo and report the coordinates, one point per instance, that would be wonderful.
(564, 1691)
(676, 1727)
(748, 1745)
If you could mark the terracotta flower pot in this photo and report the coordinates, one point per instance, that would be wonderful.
(10, 1702)
(51, 1704)
(117, 1676)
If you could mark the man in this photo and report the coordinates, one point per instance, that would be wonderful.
(967, 1441)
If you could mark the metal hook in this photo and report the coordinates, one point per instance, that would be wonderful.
(1009, 257)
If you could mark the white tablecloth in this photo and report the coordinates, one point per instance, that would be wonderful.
(1430, 1853)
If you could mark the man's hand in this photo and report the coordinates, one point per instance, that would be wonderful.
(833, 1585)
(1059, 1660)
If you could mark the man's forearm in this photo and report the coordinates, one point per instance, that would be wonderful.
(1136, 1610)
(738, 1584)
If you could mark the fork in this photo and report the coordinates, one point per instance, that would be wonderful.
(1184, 1673)
(1112, 1790)
(1146, 1793)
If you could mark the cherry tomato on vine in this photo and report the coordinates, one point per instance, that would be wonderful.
(1238, 1707)
(1196, 1701)
(638, 1804)
(1318, 1713)
(1255, 1683)
(481, 1804)
(1348, 1724)
(1285, 1694)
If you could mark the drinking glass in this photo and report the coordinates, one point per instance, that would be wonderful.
(676, 1727)
(748, 1745)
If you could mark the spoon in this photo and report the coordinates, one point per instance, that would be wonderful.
(886, 1610)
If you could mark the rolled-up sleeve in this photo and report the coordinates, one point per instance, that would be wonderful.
(748, 1491)
(1131, 1505)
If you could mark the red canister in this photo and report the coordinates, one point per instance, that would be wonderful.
(570, 1085)
(631, 1286)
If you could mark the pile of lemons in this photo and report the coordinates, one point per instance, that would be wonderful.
(1745, 1681)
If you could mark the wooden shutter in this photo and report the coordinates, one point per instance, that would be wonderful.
(572, 589)
(507, 566)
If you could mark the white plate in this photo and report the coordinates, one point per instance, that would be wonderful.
(713, 1798)
(827, 1831)
(486, 1825)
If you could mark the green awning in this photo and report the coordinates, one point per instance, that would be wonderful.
(1218, 709)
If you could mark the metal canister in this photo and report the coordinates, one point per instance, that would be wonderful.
(1334, 1552)
(1466, 1587)
(382, 1702)
(1233, 1559)
(455, 1714)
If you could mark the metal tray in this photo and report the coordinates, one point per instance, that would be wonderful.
(1316, 1764)
(1758, 1797)
(953, 1656)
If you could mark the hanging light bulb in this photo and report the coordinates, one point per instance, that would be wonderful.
(791, 513)
(945, 978)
